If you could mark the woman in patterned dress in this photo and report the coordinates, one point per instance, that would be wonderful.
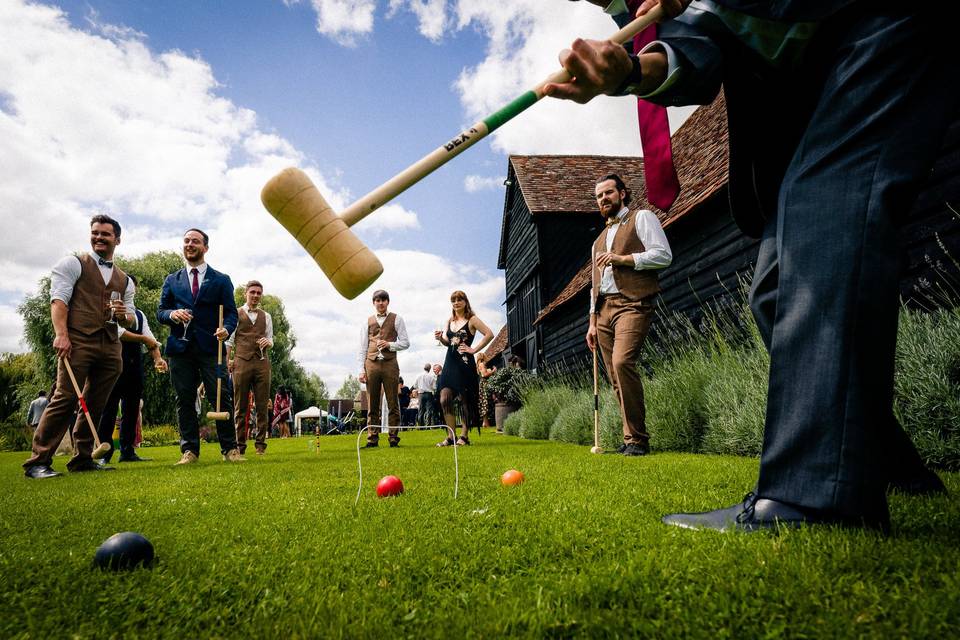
(459, 374)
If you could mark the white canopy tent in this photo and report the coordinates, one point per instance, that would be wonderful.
(309, 412)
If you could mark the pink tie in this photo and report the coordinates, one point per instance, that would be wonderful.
(661, 176)
(196, 283)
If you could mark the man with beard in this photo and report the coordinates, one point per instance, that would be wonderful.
(626, 257)
(89, 297)
(189, 305)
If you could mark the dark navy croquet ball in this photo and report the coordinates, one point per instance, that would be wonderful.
(123, 551)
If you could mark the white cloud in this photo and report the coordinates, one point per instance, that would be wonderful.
(144, 135)
(391, 217)
(431, 14)
(524, 41)
(344, 20)
(473, 183)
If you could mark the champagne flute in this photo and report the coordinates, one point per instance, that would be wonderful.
(261, 353)
(114, 295)
(186, 324)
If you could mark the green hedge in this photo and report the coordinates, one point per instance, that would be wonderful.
(710, 397)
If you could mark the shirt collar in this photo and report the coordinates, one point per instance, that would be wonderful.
(97, 258)
(201, 269)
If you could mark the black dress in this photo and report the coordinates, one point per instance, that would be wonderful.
(460, 369)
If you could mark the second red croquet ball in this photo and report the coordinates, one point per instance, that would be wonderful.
(389, 486)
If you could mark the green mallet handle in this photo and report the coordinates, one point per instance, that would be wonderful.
(466, 139)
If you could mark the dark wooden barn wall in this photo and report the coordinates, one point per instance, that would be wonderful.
(564, 243)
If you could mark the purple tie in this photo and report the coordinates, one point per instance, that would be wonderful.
(661, 176)
(195, 288)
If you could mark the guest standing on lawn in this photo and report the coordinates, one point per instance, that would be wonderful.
(458, 376)
(626, 257)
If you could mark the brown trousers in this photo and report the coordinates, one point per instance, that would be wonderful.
(622, 326)
(383, 378)
(96, 365)
(251, 374)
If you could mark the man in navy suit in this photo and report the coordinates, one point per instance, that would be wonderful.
(836, 109)
(190, 305)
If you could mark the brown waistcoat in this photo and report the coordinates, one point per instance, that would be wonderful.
(633, 284)
(387, 332)
(88, 309)
(245, 341)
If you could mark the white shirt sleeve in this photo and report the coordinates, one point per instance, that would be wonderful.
(146, 328)
(364, 342)
(63, 278)
(657, 254)
(269, 327)
(403, 341)
(128, 296)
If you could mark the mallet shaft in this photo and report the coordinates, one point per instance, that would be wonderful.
(466, 139)
(83, 406)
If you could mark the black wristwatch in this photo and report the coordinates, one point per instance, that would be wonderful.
(630, 84)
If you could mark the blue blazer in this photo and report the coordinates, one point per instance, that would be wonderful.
(216, 290)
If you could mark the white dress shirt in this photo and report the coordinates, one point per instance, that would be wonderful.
(253, 318)
(656, 254)
(66, 273)
(426, 382)
(146, 329)
(401, 343)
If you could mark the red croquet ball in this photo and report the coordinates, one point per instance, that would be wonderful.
(389, 486)
(511, 478)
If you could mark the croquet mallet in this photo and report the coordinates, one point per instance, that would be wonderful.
(596, 448)
(101, 448)
(219, 415)
(296, 203)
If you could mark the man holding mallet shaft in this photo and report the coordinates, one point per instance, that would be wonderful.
(89, 298)
(626, 257)
(836, 111)
(250, 346)
(384, 335)
(191, 303)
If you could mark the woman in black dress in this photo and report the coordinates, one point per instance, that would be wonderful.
(459, 374)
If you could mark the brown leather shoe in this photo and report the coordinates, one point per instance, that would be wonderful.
(234, 455)
(188, 457)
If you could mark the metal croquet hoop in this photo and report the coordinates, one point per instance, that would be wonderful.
(456, 461)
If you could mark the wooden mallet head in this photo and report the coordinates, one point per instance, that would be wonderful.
(295, 202)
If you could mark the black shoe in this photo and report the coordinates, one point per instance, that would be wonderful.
(757, 514)
(40, 471)
(622, 448)
(394, 445)
(93, 465)
(371, 445)
(926, 483)
(132, 458)
(634, 449)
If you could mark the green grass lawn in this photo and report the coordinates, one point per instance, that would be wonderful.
(276, 548)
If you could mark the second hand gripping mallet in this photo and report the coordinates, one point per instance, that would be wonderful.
(102, 448)
(219, 415)
(351, 267)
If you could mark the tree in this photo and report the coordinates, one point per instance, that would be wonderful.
(349, 389)
(19, 383)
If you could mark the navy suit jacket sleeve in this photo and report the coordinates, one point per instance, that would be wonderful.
(168, 302)
(230, 315)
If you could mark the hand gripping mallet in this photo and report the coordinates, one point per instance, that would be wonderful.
(219, 415)
(596, 448)
(102, 448)
(296, 203)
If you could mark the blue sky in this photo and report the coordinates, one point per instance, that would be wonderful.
(174, 114)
